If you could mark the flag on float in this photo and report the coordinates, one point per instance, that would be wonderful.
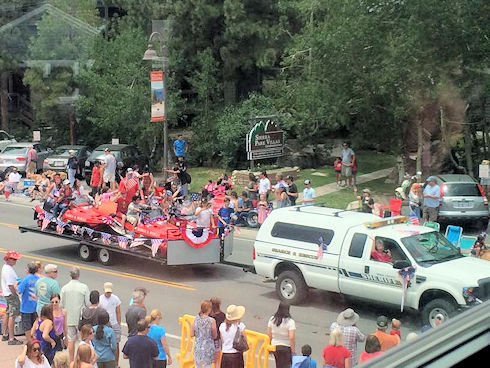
(322, 247)
(123, 242)
(46, 221)
(60, 226)
(136, 243)
(106, 238)
(89, 231)
(75, 229)
(414, 219)
(41, 215)
(155, 244)
(108, 220)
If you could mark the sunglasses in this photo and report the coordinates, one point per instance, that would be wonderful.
(55, 301)
(36, 349)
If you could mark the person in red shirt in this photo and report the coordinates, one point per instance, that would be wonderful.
(337, 167)
(336, 355)
(372, 349)
(379, 253)
(96, 178)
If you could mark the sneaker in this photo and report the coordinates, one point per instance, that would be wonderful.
(14, 341)
(5, 338)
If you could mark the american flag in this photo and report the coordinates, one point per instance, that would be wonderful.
(136, 243)
(155, 244)
(41, 215)
(75, 228)
(123, 242)
(108, 220)
(46, 221)
(88, 230)
(414, 219)
(322, 246)
(60, 226)
(106, 238)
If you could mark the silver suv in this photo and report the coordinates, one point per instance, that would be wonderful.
(463, 201)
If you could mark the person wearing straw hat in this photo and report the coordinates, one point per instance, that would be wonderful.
(346, 322)
(231, 357)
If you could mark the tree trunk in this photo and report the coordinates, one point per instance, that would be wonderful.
(447, 145)
(4, 100)
(420, 147)
(468, 147)
(72, 125)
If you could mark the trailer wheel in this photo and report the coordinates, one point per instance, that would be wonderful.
(86, 252)
(105, 256)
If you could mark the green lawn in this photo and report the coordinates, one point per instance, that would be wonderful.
(342, 198)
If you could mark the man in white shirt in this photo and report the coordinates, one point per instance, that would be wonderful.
(112, 304)
(9, 291)
(12, 182)
(109, 169)
(264, 184)
(75, 295)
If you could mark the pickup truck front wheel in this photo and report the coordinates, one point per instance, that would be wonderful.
(291, 287)
(438, 311)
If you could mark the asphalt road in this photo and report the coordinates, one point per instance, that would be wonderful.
(178, 290)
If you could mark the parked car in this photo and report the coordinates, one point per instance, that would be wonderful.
(463, 200)
(5, 139)
(58, 160)
(126, 156)
(15, 154)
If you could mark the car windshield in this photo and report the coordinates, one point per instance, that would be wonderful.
(97, 153)
(13, 150)
(63, 151)
(430, 248)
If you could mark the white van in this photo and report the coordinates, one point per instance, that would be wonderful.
(287, 250)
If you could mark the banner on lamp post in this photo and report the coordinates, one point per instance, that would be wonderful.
(157, 97)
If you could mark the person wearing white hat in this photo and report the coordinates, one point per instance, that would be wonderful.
(72, 167)
(112, 304)
(10, 293)
(346, 322)
(231, 357)
(308, 194)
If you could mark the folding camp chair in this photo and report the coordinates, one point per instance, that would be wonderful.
(395, 207)
(433, 225)
(454, 234)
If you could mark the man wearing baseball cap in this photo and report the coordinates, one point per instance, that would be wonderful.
(308, 194)
(9, 290)
(386, 340)
(432, 197)
(112, 304)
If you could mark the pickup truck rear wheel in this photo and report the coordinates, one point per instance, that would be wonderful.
(438, 309)
(291, 287)
(86, 252)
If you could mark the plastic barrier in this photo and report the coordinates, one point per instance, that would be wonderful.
(257, 355)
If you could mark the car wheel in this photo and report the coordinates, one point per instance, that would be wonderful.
(86, 252)
(105, 256)
(438, 309)
(291, 287)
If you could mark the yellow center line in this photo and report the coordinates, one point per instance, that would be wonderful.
(12, 226)
(105, 272)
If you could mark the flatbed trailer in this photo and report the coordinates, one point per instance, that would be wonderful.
(178, 251)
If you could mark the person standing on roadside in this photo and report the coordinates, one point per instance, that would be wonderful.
(9, 290)
(157, 333)
(264, 185)
(205, 331)
(135, 312)
(432, 197)
(90, 315)
(386, 340)
(96, 178)
(75, 296)
(281, 330)
(27, 290)
(308, 194)
(346, 322)
(140, 349)
(72, 166)
(180, 146)
(112, 304)
(31, 164)
(104, 342)
(109, 169)
(219, 317)
(292, 190)
(348, 160)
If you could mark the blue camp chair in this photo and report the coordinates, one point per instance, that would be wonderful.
(454, 234)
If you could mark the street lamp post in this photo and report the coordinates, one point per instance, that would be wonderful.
(151, 54)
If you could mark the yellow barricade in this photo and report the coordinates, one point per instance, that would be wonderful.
(257, 355)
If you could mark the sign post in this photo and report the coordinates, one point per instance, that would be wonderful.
(265, 140)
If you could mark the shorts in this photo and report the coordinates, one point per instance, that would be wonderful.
(72, 333)
(109, 177)
(31, 167)
(107, 364)
(430, 213)
(27, 320)
(13, 306)
(338, 171)
(117, 332)
(132, 220)
(346, 170)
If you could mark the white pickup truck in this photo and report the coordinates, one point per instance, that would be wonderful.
(328, 249)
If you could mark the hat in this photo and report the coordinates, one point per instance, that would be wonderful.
(366, 190)
(106, 149)
(431, 178)
(66, 182)
(12, 254)
(50, 268)
(289, 177)
(307, 181)
(129, 170)
(281, 185)
(347, 318)
(382, 322)
(71, 151)
(234, 312)
(107, 287)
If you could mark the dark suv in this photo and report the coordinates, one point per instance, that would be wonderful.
(462, 200)
(125, 154)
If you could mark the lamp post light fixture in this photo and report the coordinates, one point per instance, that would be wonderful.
(152, 55)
